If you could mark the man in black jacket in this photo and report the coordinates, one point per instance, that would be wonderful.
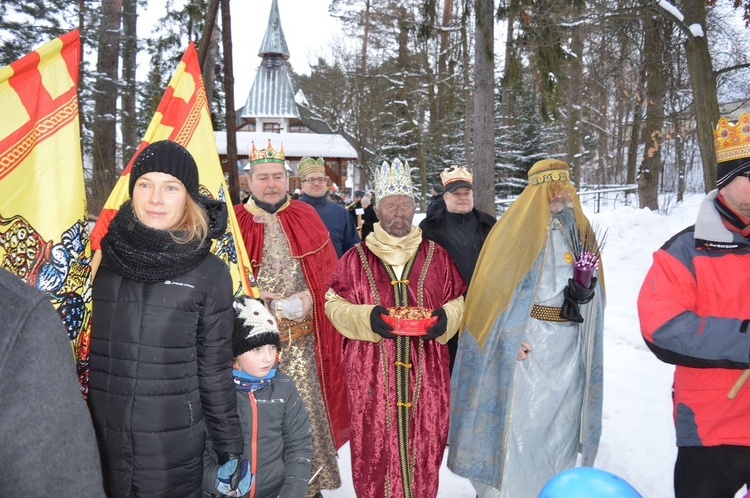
(458, 227)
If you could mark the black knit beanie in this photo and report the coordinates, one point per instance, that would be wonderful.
(729, 170)
(254, 326)
(168, 157)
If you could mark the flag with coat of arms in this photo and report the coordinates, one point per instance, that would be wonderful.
(43, 222)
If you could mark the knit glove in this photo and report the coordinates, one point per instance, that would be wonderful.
(233, 479)
(439, 327)
(573, 295)
(378, 325)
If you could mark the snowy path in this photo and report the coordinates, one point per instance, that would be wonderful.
(638, 436)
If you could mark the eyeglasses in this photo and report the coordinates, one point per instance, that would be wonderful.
(314, 180)
(746, 175)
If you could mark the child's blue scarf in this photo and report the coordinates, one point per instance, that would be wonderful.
(246, 383)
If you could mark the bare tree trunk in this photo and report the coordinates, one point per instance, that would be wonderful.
(105, 107)
(206, 35)
(208, 69)
(226, 28)
(442, 76)
(574, 107)
(510, 62)
(484, 115)
(635, 134)
(364, 137)
(207, 51)
(130, 139)
(619, 139)
(703, 83)
(468, 109)
(679, 152)
(650, 168)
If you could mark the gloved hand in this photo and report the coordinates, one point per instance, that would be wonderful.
(439, 327)
(581, 294)
(378, 325)
(233, 479)
(573, 295)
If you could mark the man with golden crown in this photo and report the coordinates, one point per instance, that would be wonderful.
(694, 313)
(335, 217)
(527, 382)
(292, 256)
(398, 385)
(458, 226)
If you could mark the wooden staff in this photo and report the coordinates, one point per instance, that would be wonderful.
(738, 384)
(96, 260)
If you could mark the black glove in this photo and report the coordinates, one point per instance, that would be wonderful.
(573, 295)
(581, 294)
(440, 326)
(233, 481)
(378, 325)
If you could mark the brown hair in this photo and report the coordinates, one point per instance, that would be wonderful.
(192, 225)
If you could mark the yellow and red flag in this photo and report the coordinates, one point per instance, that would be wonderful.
(183, 117)
(43, 232)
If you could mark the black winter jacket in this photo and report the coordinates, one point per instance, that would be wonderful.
(462, 235)
(283, 441)
(161, 373)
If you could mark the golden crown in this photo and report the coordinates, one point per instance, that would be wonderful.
(308, 166)
(732, 140)
(454, 174)
(267, 155)
(393, 179)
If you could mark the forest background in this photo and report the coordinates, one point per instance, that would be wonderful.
(626, 91)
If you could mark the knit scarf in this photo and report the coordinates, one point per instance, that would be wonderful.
(246, 383)
(144, 254)
(731, 219)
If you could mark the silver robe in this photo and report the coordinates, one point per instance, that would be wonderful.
(533, 419)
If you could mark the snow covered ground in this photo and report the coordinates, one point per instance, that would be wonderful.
(638, 436)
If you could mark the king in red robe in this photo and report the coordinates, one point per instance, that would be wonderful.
(290, 251)
(399, 420)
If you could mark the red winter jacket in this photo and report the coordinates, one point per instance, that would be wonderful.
(694, 307)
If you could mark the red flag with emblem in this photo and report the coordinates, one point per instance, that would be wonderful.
(43, 222)
(183, 117)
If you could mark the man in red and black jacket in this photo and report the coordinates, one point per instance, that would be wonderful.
(694, 309)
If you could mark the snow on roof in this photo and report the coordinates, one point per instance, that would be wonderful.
(295, 144)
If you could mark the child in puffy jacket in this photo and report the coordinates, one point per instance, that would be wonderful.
(275, 425)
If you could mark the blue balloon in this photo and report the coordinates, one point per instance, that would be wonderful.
(587, 482)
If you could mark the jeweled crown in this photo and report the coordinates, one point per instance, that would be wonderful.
(732, 140)
(393, 179)
(454, 174)
(267, 155)
(308, 166)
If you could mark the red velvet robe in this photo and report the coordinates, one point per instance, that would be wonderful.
(374, 442)
(309, 242)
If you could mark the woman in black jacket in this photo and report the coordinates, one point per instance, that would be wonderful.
(161, 342)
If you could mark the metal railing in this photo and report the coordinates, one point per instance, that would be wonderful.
(599, 197)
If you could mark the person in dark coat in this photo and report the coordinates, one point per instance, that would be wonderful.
(369, 217)
(275, 424)
(458, 226)
(47, 442)
(314, 192)
(161, 340)
(355, 205)
(436, 202)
